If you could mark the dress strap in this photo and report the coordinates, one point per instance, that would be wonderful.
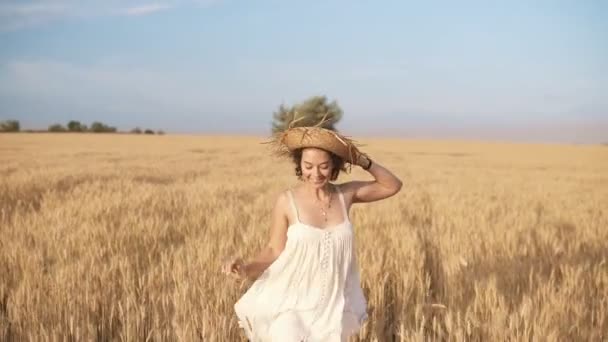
(344, 212)
(293, 205)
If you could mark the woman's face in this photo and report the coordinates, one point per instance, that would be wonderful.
(316, 166)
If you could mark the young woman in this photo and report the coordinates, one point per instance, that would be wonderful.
(307, 285)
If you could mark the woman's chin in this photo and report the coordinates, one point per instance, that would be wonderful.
(317, 185)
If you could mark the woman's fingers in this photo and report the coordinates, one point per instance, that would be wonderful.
(236, 263)
(232, 267)
(227, 265)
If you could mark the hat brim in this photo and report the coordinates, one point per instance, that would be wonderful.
(317, 137)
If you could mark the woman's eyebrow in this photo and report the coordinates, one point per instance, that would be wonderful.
(319, 164)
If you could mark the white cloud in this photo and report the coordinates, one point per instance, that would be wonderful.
(146, 9)
(32, 9)
(20, 14)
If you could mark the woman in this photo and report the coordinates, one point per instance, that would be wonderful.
(307, 285)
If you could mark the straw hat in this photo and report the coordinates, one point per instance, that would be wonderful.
(294, 138)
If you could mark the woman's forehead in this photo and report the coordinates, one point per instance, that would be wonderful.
(315, 155)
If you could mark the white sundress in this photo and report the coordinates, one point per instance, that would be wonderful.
(311, 292)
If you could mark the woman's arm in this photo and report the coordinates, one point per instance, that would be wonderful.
(384, 185)
(276, 242)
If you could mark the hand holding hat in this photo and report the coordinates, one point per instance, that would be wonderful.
(364, 161)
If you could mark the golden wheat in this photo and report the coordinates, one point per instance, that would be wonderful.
(118, 237)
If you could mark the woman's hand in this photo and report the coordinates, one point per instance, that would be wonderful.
(363, 160)
(235, 267)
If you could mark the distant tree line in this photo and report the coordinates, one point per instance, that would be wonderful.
(10, 126)
(74, 126)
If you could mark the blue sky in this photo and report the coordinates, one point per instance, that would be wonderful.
(506, 70)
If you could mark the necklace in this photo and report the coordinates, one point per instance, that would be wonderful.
(322, 206)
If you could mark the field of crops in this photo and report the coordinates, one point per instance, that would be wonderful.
(120, 237)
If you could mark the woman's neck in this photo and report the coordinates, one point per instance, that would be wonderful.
(319, 193)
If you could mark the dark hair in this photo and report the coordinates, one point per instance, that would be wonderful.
(337, 162)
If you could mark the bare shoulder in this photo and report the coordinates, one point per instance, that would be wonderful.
(348, 190)
(280, 212)
(279, 225)
(281, 200)
(282, 204)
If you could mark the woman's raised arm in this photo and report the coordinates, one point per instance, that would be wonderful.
(385, 185)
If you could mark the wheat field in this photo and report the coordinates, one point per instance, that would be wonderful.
(120, 238)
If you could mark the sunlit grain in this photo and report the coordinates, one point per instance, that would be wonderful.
(118, 237)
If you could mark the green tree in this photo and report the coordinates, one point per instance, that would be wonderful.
(99, 127)
(56, 128)
(148, 131)
(10, 126)
(136, 130)
(75, 126)
(308, 113)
